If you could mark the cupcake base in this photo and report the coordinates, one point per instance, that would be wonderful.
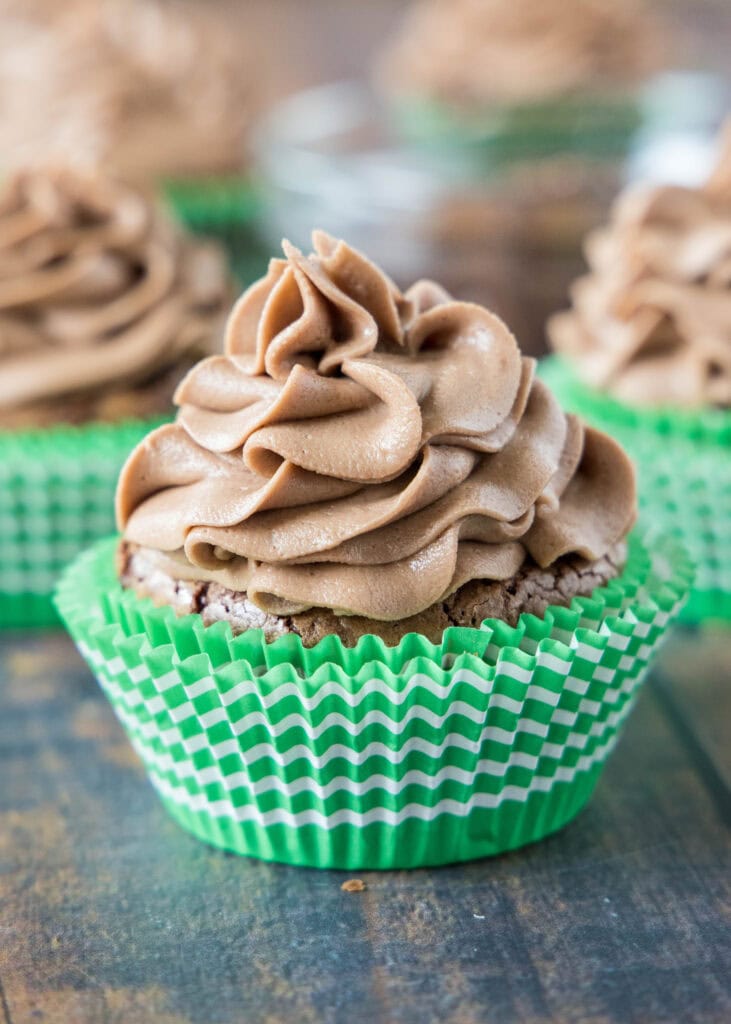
(375, 756)
(531, 591)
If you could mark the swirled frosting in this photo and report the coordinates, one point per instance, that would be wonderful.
(651, 322)
(367, 451)
(98, 290)
(467, 52)
(140, 87)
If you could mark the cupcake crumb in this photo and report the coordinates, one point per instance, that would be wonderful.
(353, 885)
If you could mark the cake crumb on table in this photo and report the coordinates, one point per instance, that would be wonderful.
(353, 885)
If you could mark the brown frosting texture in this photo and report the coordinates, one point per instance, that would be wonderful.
(467, 52)
(651, 322)
(98, 289)
(141, 87)
(367, 451)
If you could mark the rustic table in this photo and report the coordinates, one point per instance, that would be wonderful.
(110, 913)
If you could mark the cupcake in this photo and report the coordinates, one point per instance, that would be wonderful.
(104, 304)
(376, 602)
(477, 55)
(543, 101)
(148, 89)
(158, 92)
(645, 351)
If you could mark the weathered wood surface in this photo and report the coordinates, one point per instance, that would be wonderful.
(697, 694)
(109, 914)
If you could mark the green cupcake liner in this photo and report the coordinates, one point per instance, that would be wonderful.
(684, 477)
(597, 128)
(226, 209)
(375, 757)
(56, 497)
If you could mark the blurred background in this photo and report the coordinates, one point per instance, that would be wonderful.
(323, 40)
(472, 141)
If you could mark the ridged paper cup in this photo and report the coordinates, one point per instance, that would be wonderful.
(56, 497)
(375, 757)
(225, 209)
(684, 476)
(595, 128)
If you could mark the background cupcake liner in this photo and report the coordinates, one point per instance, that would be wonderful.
(56, 497)
(225, 209)
(684, 477)
(374, 757)
(597, 128)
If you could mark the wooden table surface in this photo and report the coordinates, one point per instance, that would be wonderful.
(110, 913)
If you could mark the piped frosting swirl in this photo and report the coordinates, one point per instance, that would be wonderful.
(367, 451)
(98, 290)
(651, 322)
(143, 88)
(476, 52)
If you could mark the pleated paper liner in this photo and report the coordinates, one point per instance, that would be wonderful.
(226, 209)
(684, 476)
(56, 497)
(593, 128)
(375, 757)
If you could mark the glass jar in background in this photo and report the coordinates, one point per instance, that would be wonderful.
(496, 211)
(678, 137)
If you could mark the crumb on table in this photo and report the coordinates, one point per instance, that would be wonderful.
(353, 885)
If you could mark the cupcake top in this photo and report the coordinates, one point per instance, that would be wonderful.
(98, 290)
(651, 322)
(476, 52)
(367, 451)
(142, 87)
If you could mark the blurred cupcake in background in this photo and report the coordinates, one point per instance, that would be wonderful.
(477, 57)
(645, 351)
(541, 100)
(147, 88)
(104, 304)
(156, 91)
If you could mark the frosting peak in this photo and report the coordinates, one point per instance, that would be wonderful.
(367, 451)
(651, 322)
(97, 289)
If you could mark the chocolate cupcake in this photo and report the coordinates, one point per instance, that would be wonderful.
(542, 101)
(147, 89)
(645, 351)
(363, 461)
(159, 92)
(295, 627)
(475, 54)
(104, 304)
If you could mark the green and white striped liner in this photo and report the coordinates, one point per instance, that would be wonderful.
(56, 497)
(684, 476)
(227, 209)
(374, 757)
(596, 128)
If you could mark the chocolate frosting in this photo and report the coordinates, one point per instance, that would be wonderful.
(367, 451)
(141, 87)
(97, 289)
(468, 52)
(651, 322)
